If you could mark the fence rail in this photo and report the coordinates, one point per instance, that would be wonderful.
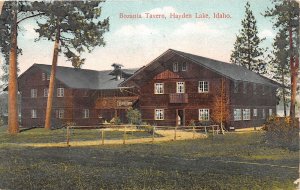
(215, 129)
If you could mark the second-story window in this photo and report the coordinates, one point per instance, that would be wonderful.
(158, 88)
(235, 87)
(184, 67)
(46, 91)
(43, 76)
(86, 113)
(60, 92)
(175, 67)
(244, 87)
(203, 86)
(254, 89)
(180, 87)
(48, 76)
(33, 93)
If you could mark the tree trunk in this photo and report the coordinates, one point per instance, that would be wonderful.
(283, 92)
(13, 124)
(52, 80)
(294, 66)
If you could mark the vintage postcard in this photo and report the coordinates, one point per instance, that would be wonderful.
(148, 94)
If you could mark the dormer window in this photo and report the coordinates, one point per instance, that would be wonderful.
(236, 87)
(175, 67)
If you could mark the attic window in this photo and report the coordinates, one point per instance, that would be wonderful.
(43, 76)
(175, 67)
(236, 87)
(184, 67)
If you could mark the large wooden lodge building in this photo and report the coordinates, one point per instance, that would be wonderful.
(173, 89)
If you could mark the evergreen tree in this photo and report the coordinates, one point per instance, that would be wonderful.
(247, 51)
(285, 15)
(74, 27)
(280, 67)
(12, 13)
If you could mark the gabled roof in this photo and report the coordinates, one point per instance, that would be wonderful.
(84, 78)
(231, 71)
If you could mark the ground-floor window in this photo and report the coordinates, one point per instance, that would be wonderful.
(270, 112)
(33, 113)
(263, 113)
(203, 114)
(246, 114)
(254, 112)
(86, 113)
(237, 114)
(159, 114)
(60, 113)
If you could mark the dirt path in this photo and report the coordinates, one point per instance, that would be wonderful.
(168, 135)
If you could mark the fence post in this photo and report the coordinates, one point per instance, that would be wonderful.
(193, 132)
(124, 136)
(68, 135)
(153, 132)
(102, 136)
(175, 133)
(213, 129)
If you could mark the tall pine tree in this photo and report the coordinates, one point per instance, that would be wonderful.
(285, 15)
(247, 51)
(280, 67)
(74, 27)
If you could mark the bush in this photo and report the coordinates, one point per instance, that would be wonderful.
(134, 116)
(280, 133)
(115, 121)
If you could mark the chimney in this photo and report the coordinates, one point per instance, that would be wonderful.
(117, 72)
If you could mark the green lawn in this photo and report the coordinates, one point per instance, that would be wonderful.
(41, 135)
(231, 161)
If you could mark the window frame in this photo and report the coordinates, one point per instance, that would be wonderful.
(156, 91)
(43, 76)
(46, 92)
(255, 112)
(237, 114)
(178, 84)
(202, 84)
(263, 113)
(60, 113)
(33, 114)
(159, 114)
(203, 114)
(175, 67)
(33, 93)
(270, 112)
(184, 66)
(86, 113)
(246, 114)
(60, 92)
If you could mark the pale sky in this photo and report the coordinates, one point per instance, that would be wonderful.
(136, 42)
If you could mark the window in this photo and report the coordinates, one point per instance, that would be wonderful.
(246, 114)
(159, 114)
(203, 86)
(180, 87)
(48, 76)
(270, 112)
(175, 67)
(244, 88)
(237, 114)
(254, 89)
(263, 113)
(60, 113)
(263, 90)
(33, 113)
(236, 87)
(33, 93)
(254, 112)
(43, 76)
(86, 113)
(184, 66)
(46, 91)
(203, 114)
(60, 92)
(158, 88)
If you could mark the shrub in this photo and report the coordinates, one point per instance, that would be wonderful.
(134, 116)
(280, 133)
(115, 120)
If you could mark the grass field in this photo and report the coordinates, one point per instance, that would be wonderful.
(231, 161)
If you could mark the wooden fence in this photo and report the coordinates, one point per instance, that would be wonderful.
(214, 129)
